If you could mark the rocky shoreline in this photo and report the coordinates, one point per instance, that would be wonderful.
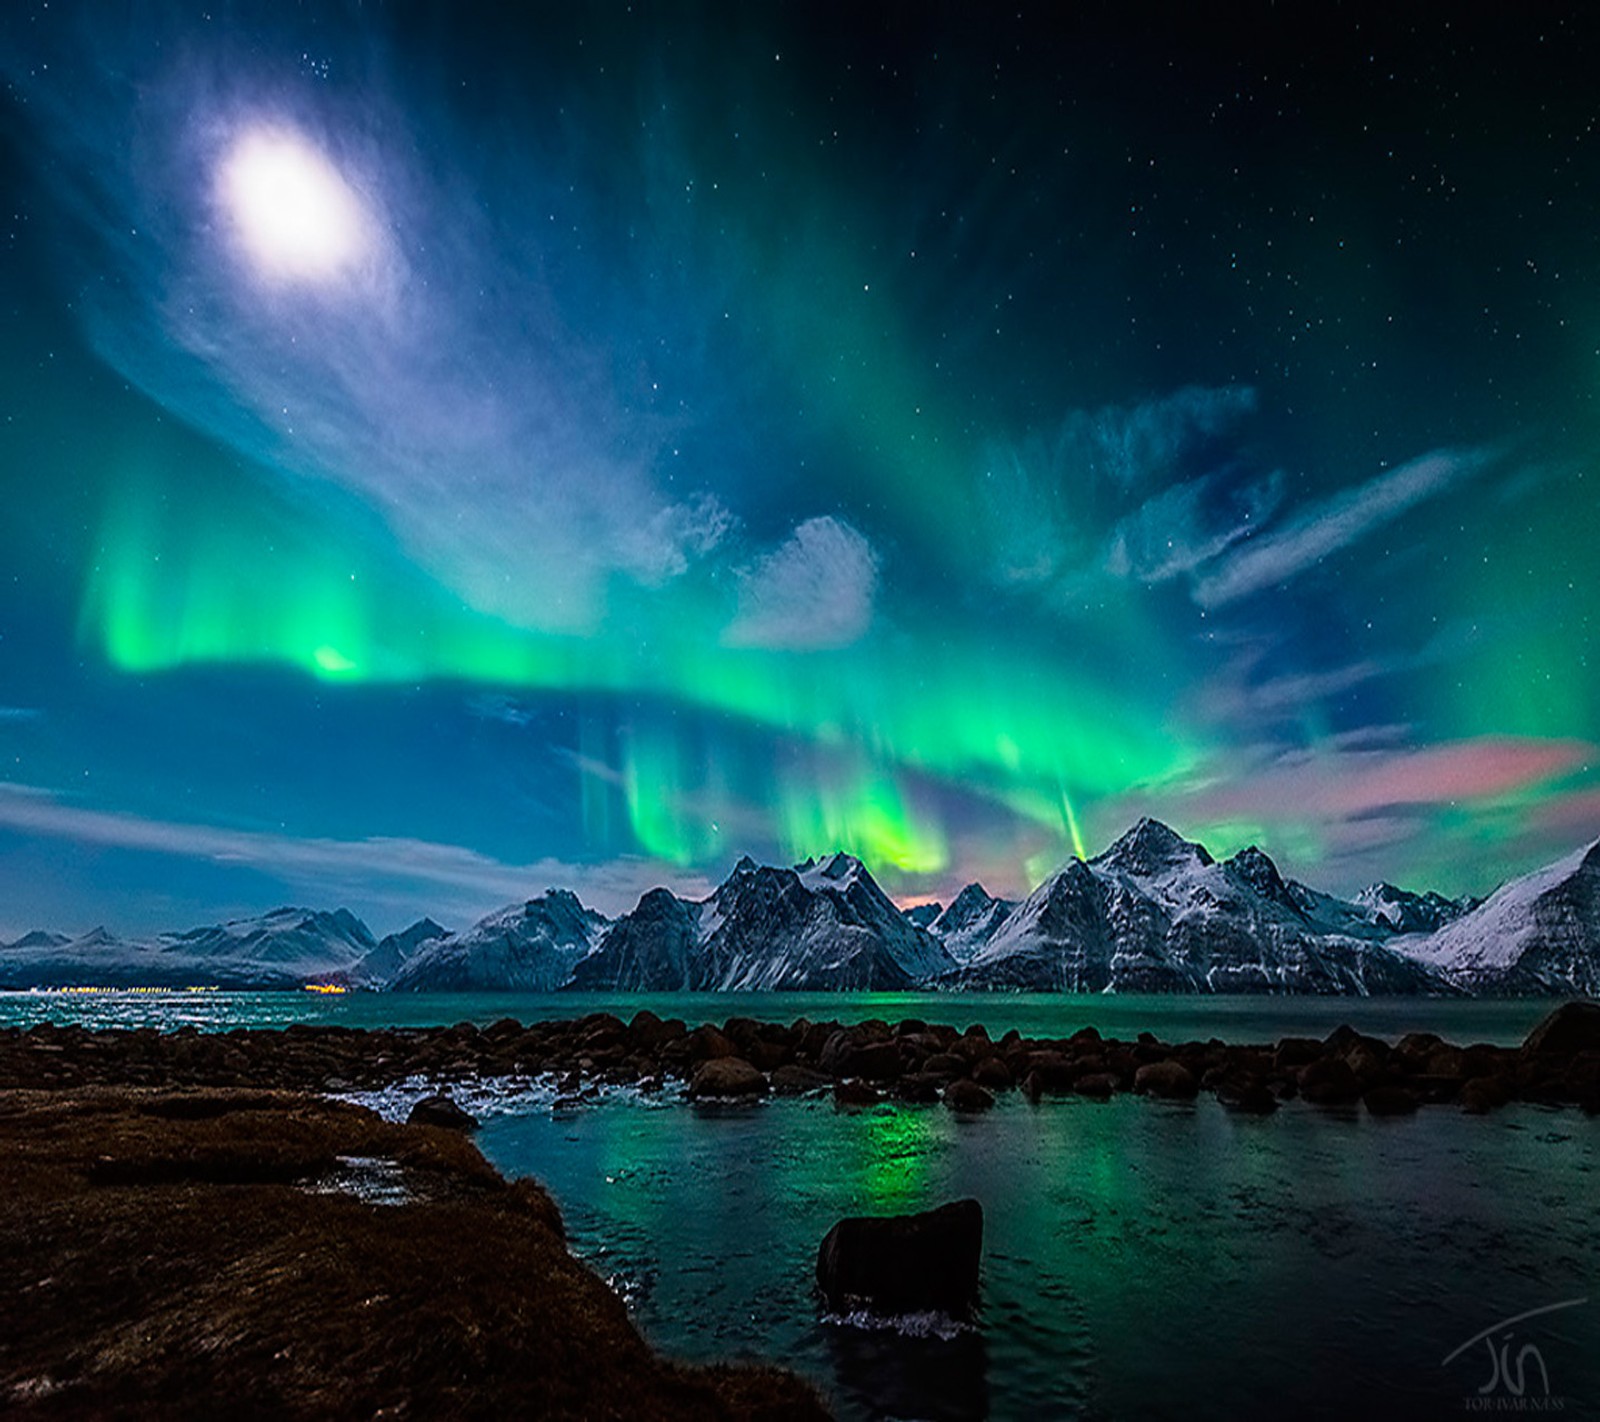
(860, 1064)
(191, 1225)
(269, 1254)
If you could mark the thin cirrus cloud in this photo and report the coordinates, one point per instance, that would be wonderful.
(1357, 783)
(1271, 559)
(1189, 524)
(1043, 499)
(490, 434)
(418, 876)
(814, 591)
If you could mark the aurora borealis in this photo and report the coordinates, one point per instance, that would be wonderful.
(447, 452)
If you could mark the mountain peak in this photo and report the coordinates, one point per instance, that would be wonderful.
(838, 871)
(1151, 847)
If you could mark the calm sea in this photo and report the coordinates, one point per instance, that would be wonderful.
(1141, 1259)
(1173, 1019)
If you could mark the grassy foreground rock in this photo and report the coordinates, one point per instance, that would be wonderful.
(221, 1253)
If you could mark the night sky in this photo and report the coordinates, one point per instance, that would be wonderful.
(446, 452)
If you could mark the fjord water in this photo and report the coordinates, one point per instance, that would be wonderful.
(1172, 1018)
(1142, 1259)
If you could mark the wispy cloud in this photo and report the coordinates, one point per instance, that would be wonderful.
(19, 713)
(458, 379)
(1139, 443)
(1237, 695)
(419, 876)
(1309, 784)
(813, 591)
(1318, 532)
(1351, 811)
(1189, 524)
(1047, 500)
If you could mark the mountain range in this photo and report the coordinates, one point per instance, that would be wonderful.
(1154, 913)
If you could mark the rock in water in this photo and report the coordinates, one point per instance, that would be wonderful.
(727, 1076)
(1572, 1027)
(1169, 1078)
(904, 1263)
(964, 1095)
(440, 1110)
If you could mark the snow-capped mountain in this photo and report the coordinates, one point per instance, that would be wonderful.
(972, 919)
(1537, 934)
(39, 938)
(528, 947)
(382, 965)
(1156, 913)
(822, 925)
(922, 915)
(284, 948)
(1404, 912)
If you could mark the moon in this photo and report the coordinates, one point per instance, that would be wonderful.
(295, 217)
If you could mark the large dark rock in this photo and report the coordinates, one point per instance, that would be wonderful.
(796, 1080)
(1166, 1078)
(1390, 1101)
(904, 1263)
(727, 1077)
(965, 1095)
(1572, 1027)
(440, 1110)
(1329, 1082)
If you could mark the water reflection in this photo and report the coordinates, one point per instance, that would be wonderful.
(1140, 1258)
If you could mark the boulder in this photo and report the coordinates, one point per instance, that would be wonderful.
(1573, 1027)
(1484, 1094)
(1446, 1062)
(707, 1044)
(1097, 1085)
(918, 1087)
(902, 1264)
(1329, 1081)
(796, 1080)
(966, 1095)
(727, 1077)
(993, 1073)
(1249, 1097)
(440, 1110)
(945, 1065)
(1390, 1101)
(853, 1092)
(1052, 1070)
(1296, 1052)
(877, 1061)
(1168, 1078)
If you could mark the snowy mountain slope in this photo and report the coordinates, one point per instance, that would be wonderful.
(1537, 934)
(972, 919)
(284, 948)
(382, 965)
(1156, 913)
(923, 914)
(823, 925)
(527, 947)
(651, 949)
(38, 938)
(1401, 911)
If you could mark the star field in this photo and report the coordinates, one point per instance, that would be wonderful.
(446, 452)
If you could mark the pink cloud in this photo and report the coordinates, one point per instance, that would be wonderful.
(1360, 782)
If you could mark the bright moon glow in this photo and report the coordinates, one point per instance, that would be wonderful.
(297, 218)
